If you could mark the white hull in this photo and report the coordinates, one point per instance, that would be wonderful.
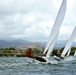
(34, 61)
(31, 60)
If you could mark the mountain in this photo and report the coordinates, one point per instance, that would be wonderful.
(15, 43)
(59, 44)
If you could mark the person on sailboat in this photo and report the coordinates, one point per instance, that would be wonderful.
(29, 53)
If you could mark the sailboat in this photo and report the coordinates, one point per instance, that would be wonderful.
(68, 45)
(55, 31)
(54, 34)
(75, 53)
(68, 52)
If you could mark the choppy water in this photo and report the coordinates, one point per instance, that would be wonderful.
(19, 66)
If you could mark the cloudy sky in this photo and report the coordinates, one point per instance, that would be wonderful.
(33, 19)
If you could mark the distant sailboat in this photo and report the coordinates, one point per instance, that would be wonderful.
(75, 53)
(69, 43)
(68, 52)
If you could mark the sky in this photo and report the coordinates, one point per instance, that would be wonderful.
(33, 20)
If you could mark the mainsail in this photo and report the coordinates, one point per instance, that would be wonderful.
(69, 43)
(57, 24)
(52, 46)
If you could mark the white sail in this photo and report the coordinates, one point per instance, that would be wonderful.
(52, 46)
(57, 24)
(75, 53)
(69, 43)
(68, 52)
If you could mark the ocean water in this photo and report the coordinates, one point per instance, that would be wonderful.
(20, 66)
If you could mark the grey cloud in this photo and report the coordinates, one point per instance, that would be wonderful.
(24, 6)
(16, 21)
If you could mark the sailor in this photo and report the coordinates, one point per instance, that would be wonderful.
(29, 53)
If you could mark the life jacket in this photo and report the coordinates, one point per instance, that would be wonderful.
(28, 53)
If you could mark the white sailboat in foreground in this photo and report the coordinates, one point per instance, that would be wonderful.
(54, 33)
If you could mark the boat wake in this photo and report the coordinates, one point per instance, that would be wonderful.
(68, 59)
